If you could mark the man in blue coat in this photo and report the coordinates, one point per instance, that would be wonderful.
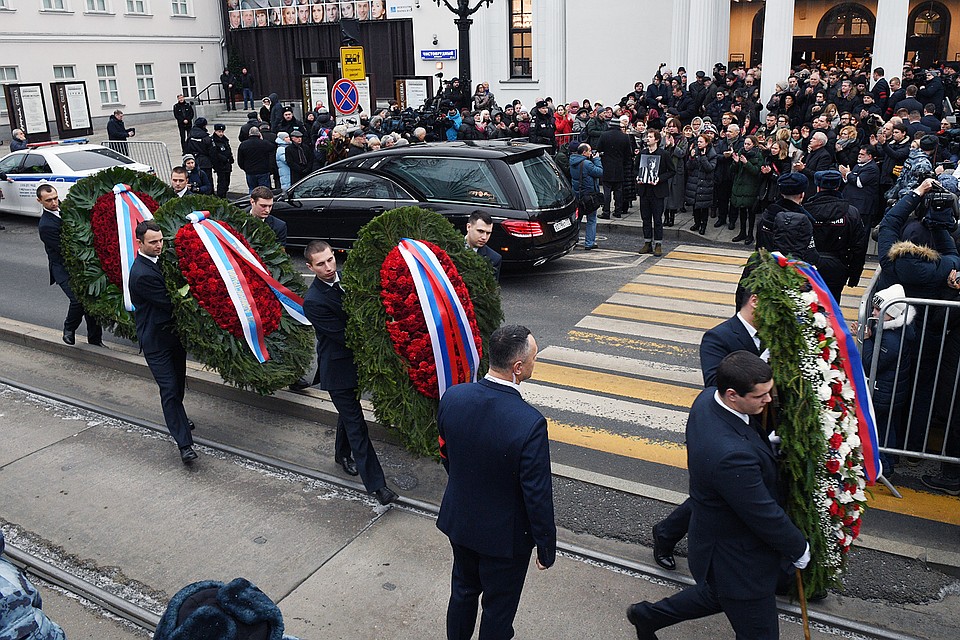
(337, 372)
(49, 228)
(498, 504)
(740, 537)
(161, 346)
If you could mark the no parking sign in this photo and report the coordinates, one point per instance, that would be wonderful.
(346, 96)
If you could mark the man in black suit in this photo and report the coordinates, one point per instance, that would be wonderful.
(49, 228)
(738, 333)
(498, 504)
(479, 229)
(160, 344)
(261, 207)
(740, 537)
(337, 372)
(617, 149)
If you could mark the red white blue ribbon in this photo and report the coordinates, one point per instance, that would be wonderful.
(852, 366)
(454, 349)
(130, 212)
(228, 253)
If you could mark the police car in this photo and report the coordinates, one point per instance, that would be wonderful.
(61, 164)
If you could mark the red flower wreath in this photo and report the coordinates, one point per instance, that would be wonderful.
(106, 240)
(408, 328)
(210, 292)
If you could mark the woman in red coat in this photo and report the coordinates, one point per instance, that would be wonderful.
(562, 125)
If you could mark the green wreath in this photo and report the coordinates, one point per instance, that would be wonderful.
(382, 372)
(101, 298)
(290, 346)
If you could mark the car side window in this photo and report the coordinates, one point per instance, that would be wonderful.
(359, 185)
(11, 164)
(450, 179)
(320, 185)
(35, 163)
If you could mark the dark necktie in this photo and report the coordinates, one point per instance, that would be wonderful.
(336, 285)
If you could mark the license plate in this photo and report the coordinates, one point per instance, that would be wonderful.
(562, 224)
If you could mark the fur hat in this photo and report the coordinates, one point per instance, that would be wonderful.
(829, 179)
(211, 610)
(200, 122)
(928, 142)
(792, 184)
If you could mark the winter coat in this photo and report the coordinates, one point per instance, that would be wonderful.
(678, 183)
(862, 188)
(662, 188)
(585, 174)
(543, 130)
(700, 170)
(298, 161)
(199, 181)
(896, 332)
(183, 111)
(818, 160)
(20, 605)
(116, 130)
(617, 150)
(289, 126)
(245, 128)
(916, 165)
(256, 156)
(785, 226)
(282, 166)
(746, 180)
(201, 146)
(840, 237)
(725, 163)
(562, 124)
(594, 129)
(921, 270)
(222, 153)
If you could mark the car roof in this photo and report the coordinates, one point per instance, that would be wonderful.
(57, 149)
(483, 149)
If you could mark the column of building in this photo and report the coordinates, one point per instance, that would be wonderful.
(890, 37)
(777, 46)
(706, 34)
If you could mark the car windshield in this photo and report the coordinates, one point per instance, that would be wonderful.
(86, 159)
(449, 179)
(542, 183)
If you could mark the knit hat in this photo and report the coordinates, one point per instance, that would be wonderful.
(624, 120)
(891, 293)
(200, 122)
(211, 610)
(828, 179)
(188, 156)
(252, 115)
(792, 184)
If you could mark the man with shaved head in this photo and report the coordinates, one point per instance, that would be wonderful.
(818, 159)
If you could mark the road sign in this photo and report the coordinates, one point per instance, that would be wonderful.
(346, 97)
(438, 54)
(351, 63)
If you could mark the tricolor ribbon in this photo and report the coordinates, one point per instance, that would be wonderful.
(454, 349)
(228, 253)
(130, 212)
(852, 366)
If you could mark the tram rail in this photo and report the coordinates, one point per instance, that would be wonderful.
(148, 620)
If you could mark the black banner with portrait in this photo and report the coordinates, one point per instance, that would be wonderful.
(260, 14)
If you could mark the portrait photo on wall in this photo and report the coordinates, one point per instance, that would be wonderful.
(249, 14)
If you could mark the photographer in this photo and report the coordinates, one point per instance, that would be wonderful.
(197, 179)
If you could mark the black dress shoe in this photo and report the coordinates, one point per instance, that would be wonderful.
(719, 223)
(97, 343)
(639, 623)
(662, 552)
(603, 216)
(191, 425)
(349, 466)
(618, 215)
(300, 385)
(732, 225)
(187, 454)
(70, 337)
(385, 496)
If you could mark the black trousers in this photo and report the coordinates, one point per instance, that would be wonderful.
(615, 190)
(223, 183)
(721, 198)
(353, 439)
(184, 136)
(230, 100)
(75, 315)
(169, 369)
(499, 580)
(750, 619)
(672, 528)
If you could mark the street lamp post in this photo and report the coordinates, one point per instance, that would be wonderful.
(463, 11)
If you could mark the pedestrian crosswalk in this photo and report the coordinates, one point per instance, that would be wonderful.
(629, 371)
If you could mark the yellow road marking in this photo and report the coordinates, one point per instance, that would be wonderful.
(918, 504)
(620, 342)
(703, 257)
(697, 295)
(660, 317)
(623, 386)
(695, 274)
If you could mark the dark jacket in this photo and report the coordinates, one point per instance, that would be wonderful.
(543, 129)
(116, 130)
(323, 306)
(662, 188)
(894, 154)
(700, 181)
(819, 160)
(616, 148)
(279, 227)
(199, 181)
(922, 270)
(862, 188)
(724, 171)
(840, 238)
(881, 93)
(493, 257)
(499, 496)
(246, 80)
(256, 156)
(222, 153)
(585, 175)
(785, 226)
(747, 180)
(740, 536)
(49, 228)
(201, 146)
(932, 92)
(245, 128)
(595, 128)
(154, 314)
(183, 111)
(719, 342)
(296, 157)
(896, 332)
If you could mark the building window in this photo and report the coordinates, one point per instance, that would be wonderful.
(7, 75)
(179, 7)
(188, 80)
(521, 39)
(137, 6)
(54, 5)
(145, 82)
(64, 72)
(107, 80)
(98, 6)
(846, 20)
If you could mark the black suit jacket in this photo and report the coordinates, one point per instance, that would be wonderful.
(499, 496)
(279, 227)
(49, 228)
(493, 258)
(719, 342)
(739, 535)
(154, 311)
(323, 306)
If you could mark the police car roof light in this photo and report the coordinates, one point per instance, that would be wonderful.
(52, 143)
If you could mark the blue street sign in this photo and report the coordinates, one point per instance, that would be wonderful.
(438, 54)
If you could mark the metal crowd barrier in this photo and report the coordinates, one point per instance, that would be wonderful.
(926, 419)
(566, 138)
(153, 153)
